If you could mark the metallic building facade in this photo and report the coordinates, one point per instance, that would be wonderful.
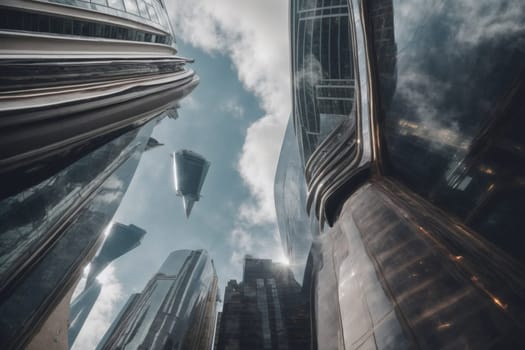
(43, 253)
(267, 310)
(176, 309)
(76, 73)
(189, 172)
(422, 185)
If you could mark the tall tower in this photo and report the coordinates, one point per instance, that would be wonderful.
(176, 309)
(189, 171)
(267, 310)
(120, 240)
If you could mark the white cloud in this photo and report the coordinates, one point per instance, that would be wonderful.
(101, 315)
(234, 108)
(255, 35)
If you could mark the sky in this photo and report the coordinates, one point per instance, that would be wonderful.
(235, 118)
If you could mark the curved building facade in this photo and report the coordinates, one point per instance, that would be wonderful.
(74, 73)
(422, 186)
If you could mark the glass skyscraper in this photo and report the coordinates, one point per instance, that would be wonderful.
(189, 171)
(176, 309)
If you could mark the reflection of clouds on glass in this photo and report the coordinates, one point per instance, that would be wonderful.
(310, 73)
(484, 20)
(431, 116)
(105, 308)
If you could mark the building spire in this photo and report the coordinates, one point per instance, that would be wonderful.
(188, 205)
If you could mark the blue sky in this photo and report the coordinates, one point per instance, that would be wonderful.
(236, 119)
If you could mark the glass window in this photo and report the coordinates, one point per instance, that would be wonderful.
(117, 4)
(131, 6)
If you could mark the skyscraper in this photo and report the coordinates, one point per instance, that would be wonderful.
(176, 309)
(189, 171)
(267, 310)
(120, 240)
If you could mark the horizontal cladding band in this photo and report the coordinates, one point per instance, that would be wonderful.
(25, 45)
(53, 97)
(33, 77)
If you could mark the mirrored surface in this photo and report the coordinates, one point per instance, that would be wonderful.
(317, 175)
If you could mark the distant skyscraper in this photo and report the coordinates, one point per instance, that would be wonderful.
(176, 310)
(120, 240)
(189, 171)
(267, 310)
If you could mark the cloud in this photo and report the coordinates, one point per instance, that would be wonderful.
(254, 34)
(105, 308)
(234, 108)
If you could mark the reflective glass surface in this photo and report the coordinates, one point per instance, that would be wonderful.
(451, 87)
(142, 10)
(377, 206)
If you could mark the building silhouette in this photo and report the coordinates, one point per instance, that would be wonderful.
(176, 309)
(189, 171)
(267, 310)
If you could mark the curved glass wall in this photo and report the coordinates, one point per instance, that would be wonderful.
(149, 11)
(322, 70)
